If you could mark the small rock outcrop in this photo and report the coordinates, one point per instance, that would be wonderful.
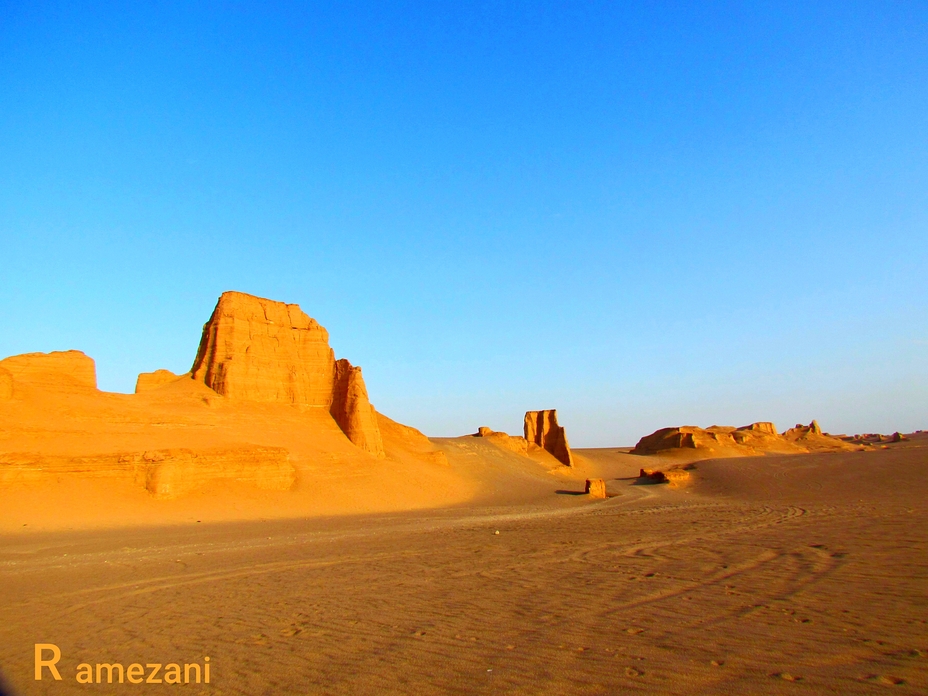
(541, 429)
(595, 488)
(516, 444)
(254, 349)
(151, 380)
(56, 369)
(675, 476)
(352, 410)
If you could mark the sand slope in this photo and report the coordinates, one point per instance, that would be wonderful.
(768, 575)
(70, 457)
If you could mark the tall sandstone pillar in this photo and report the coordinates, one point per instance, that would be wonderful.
(253, 349)
(352, 410)
(541, 429)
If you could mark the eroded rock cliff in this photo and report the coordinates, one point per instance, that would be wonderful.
(254, 349)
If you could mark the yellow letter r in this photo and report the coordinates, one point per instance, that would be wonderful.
(40, 663)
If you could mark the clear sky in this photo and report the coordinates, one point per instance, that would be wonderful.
(641, 214)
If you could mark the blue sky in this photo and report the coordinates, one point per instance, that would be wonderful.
(641, 214)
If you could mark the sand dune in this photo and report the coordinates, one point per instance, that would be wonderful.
(767, 575)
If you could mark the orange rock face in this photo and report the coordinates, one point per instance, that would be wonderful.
(67, 367)
(260, 350)
(6, 385)
(152, 380)
(541, 429)
(253, 349)
(352, 410)
(595, 488)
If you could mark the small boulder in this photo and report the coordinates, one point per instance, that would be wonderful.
(595, 488)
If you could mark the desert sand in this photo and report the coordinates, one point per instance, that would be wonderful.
(260, 512)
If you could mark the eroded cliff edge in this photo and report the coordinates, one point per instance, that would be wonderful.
(259, 350)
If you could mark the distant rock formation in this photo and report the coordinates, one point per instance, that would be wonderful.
(541, 429)
(595, 488)
(151, 380)
(352, 410)
(803, 430)
(65, 368)
(253, 349)
(726, 441)
(868, 439)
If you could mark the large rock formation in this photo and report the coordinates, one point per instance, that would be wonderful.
(253, 349)
(726, 441)
(66, 368)
(260, 350)
(151, 380)
(352, 410)
(541, 428)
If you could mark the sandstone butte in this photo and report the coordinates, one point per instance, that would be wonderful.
(724, 441)
(259, 350)
(542, 434)
(266, 423)
(541, 428)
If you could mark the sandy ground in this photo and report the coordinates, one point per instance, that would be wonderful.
(769, 575)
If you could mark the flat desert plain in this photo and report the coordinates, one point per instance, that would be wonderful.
(801, 574)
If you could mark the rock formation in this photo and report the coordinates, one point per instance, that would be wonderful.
(66, 368)
(253, 349)
(151, 380)
(651, 476)
(748, 440)
(867, 439)
(352, 410)
(541, 429)
(675, 475)
(595, 488)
